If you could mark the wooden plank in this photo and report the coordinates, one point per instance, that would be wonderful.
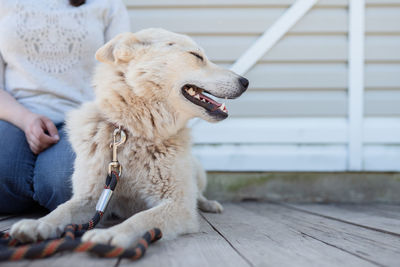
(270, 239)
(206, 248)
(387, 210)
(378, 248)
(370, 216)
(260, 157)
(6, 224)
(4, 217)
(65, 259)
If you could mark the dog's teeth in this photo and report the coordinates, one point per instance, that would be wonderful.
(203, 100)
(191, 91)
(197, 97)
(222, 107)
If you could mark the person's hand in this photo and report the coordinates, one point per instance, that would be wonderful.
(40, 132)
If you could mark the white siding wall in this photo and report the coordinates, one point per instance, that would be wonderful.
(295, 114)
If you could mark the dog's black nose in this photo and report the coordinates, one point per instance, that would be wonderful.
(244, 82)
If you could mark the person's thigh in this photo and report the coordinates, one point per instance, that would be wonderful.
(52, 175)
(16, 170)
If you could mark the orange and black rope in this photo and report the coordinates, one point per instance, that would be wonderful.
(12, 250)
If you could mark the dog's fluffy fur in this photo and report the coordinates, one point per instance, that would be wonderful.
(139, 86)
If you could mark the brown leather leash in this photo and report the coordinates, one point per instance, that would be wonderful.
(12, 250)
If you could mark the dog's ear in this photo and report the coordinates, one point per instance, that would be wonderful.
(117, 50)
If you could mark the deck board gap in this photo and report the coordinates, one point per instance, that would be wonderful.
(118, 262)
(230, 244)
(339, 220)
(344, 250)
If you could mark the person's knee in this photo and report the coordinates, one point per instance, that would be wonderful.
(53, 172)
(16, 170)
(52, 189)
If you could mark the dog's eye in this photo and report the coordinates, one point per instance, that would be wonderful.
(197, 55)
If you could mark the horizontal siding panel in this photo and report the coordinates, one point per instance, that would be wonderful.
(298, 76)
(381, 158)
(382, 19)
(218, 3)
(293, 117)
(319, 76)
(289, 48)
(315, 103)
(272, 157)
(383, 2)
(304, 48)
(230, 20)
(241, 3)
(377, 131)
(382, 103)
(272, 130)
(382, 130)
(288, 103)
(382, 48)
(382, 76)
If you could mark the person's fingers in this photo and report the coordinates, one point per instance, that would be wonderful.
(41, 139)
(45, 140)
(51, 128)
(33, 146)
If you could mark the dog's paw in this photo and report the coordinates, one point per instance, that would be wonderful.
(210, 206)
(110, 237)
(29, 230)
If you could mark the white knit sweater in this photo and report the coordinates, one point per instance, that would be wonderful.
(47, 50)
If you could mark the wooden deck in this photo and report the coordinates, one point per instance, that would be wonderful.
(266, 234)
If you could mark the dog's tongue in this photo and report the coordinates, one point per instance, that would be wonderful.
(214, 103)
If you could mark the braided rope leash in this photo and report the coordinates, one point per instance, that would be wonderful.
(12, 250)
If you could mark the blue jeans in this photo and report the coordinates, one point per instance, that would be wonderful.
(27, 179)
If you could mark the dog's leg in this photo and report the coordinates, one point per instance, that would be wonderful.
(76, 210)
(171, 217)
(201, 178)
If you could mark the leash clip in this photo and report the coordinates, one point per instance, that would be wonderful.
(114, 164)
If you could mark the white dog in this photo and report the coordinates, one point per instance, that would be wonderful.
(150, 83)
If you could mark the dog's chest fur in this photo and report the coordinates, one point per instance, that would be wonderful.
(150, 166)
(153, 169)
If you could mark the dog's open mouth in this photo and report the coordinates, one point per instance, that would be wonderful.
(197, 96)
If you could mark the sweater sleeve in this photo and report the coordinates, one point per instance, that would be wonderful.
(117, 20)
(2, 69)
